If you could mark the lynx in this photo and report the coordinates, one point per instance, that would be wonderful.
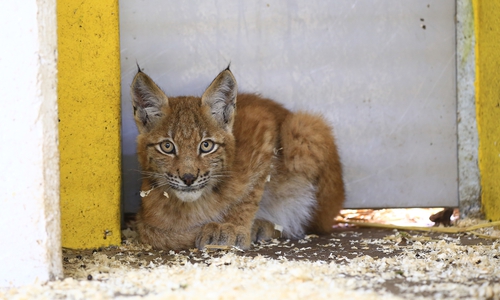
(229, 169)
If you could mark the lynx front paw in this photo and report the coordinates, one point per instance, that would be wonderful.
(223, 234)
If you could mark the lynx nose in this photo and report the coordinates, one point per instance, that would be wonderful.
(188, 179)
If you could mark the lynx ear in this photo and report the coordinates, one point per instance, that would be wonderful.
(220, 96)
(147, 100)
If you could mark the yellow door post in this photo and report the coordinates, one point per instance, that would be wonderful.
(89, 122)
(487, 28)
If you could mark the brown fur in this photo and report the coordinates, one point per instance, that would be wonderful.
(255, 138)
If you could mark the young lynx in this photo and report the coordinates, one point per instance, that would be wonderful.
(227, 169)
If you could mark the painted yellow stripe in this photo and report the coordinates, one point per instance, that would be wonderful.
(487, 28)
(89, 128)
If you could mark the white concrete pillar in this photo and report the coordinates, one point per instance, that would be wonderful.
(29, 158)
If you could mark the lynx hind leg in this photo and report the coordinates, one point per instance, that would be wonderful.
(263, 230)
(309, 149)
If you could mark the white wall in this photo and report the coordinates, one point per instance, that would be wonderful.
(383, 72)
(29, 215)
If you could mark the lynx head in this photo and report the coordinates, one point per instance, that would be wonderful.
(185, 144)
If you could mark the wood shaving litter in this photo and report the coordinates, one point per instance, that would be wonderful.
(415, 266)
(227, 277)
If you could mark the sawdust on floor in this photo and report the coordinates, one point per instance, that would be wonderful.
(351, 263)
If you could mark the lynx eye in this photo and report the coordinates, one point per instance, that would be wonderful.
(207, 146)
(167, 147)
